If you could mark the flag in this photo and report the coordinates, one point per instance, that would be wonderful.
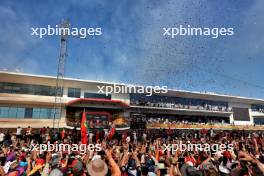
(112, 132)
(63, 133)
(84, 128)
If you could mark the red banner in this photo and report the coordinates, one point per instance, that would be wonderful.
(84, 128)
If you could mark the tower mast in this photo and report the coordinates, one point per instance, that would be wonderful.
(64, 31)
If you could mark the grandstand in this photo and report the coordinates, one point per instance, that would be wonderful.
(28, 100)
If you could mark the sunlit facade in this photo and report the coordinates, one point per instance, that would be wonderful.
(28, 100)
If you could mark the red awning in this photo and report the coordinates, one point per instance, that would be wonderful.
(97, 100)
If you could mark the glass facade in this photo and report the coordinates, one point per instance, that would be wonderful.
(17, 88)
(43, 113)
(26, 112)
(96, 95)
(74, 92)
(12, 112)
(259, 120)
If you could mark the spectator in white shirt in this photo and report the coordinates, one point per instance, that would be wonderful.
(2, 135)
(19, 133)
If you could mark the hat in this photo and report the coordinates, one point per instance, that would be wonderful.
(224, 169)
(97, 167)
(96, 157)
(55, 160)
(76, 165)
(56, 172)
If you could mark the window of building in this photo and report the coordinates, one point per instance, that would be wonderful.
(96, 95)
(20, 112)
(36, 113)
(57, 113)
(74, 92)
(4, 112)
(17, 88)
(43, 113)
(28, 113)
(12, 112)
(259, 120)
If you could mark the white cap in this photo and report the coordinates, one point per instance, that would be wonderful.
(96, 157)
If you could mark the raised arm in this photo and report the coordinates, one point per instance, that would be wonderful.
(114, 167)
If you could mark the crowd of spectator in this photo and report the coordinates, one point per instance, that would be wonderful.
(142, 121)
(132, 153)
(258, 109)
(205, 106)
(187, 120)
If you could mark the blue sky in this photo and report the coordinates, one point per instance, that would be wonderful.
(132, 48)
